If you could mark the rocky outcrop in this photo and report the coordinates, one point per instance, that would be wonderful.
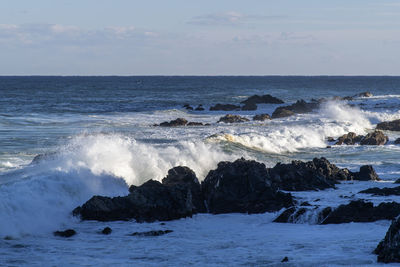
(185, 177)
(224, 107)
(361, 211)
(388, 249)
(242, 186)
(249, 106)
(261, 117)
(299, 107)
(366, 173)
(375, 138)
(179, 122)
(282, 113)
(350, 138)
(199, 108)
(263, 99)
(389, 125)
(386, 191)
(229, 118)
(146, 203)
(66, 233)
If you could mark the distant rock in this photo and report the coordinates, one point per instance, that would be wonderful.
(350, 138)
(261, 117)
(199, 108)
(285, 259)
(152, 233)
(264, 99)
(397, 141)
(242, 186)
(388, 249)
(389, 125)
(106, 231)
(66, 233)
(194, 124)
(174, 123)
(386, 191)
(365, 94)
(229, 118)
(188, 107)
(249, 106)
(224, 107)
(397, 181)
(282, 113)
(375, 138)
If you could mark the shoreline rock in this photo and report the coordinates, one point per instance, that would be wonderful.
(389, 125)
(229, 118)
(388, 250)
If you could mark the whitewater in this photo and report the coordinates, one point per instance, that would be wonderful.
(97, 137)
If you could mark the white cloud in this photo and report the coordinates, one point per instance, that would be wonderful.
(228, 18)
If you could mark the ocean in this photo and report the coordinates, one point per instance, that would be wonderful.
(98, 138)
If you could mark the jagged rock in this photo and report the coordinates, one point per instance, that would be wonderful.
(261, 117)
(184, 176)
(229, 118)
(249, 106)
(361, 211)
(366, 173)
(242, 186)
(174, 123)
(389, 125)
(388, 249)
(199, 108)
(264, 99)
(146, 203)
(152, 233)
(224, 107)
(350, 138)
(387, 191)
(106, 231)
(66, 233)
(375, 138)
(397, 141)
(282, 113)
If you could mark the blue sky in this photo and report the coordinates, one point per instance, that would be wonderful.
(219, 37)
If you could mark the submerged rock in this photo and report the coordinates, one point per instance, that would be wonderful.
(229, 118)
(397, 141)
(261, 117)
(199, 108)
(263, 99)
(282, 113)
(389, 125)
(224, 107)
(388, 249)
(387, 191)
(242, 186)
(106, 231)
(66, 233)
(152, 233)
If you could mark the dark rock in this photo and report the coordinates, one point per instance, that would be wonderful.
(375, 138)
(184, 176)
(229, 118)
(366, 173)
(305, 203)
(152, 233)
(261, 117)
(388, 249)
(106, 231)
(264, 99)
(194, 124)
(224, 107)
(365, 94)
(199, 108)
(361, 211)
(146, 203)
(397, 181)
(282, 113)
(397, 141)
(293, 214)
(299, 107)
(348, 139)
(285, 259)
(330, 139)
(242, 186)
(249, 106)
(174, 123)
(389, 125)
(188, 107)
(387, 191)
(328, 146)
(66, 233)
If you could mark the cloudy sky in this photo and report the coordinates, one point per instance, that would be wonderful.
(184, 37)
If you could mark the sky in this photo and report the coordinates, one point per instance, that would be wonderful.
(187, 37)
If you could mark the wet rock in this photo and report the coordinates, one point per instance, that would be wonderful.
(194, 124)
(249, 106)
(42, 157)
(174, 123)
(397, 181)
(361, 211)
(282, 113)
(185, 177)
(294, 214)
(374, 138)
(285, 259)
(330, 139)
(301, 107)
(199, 108)
(152, 233)
(188, 107)
(66, 233)
(389, 125)
(106, 231)
(388, 249)
(387, 191)
(350, 138)
(224, 107)
(261, 117)
(242, 186)
(365, 94)
(263, 99)
(397, 141)
(366, 173)
(229, 118)
(146, 203)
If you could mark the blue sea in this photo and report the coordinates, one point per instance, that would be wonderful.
(98, 138)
